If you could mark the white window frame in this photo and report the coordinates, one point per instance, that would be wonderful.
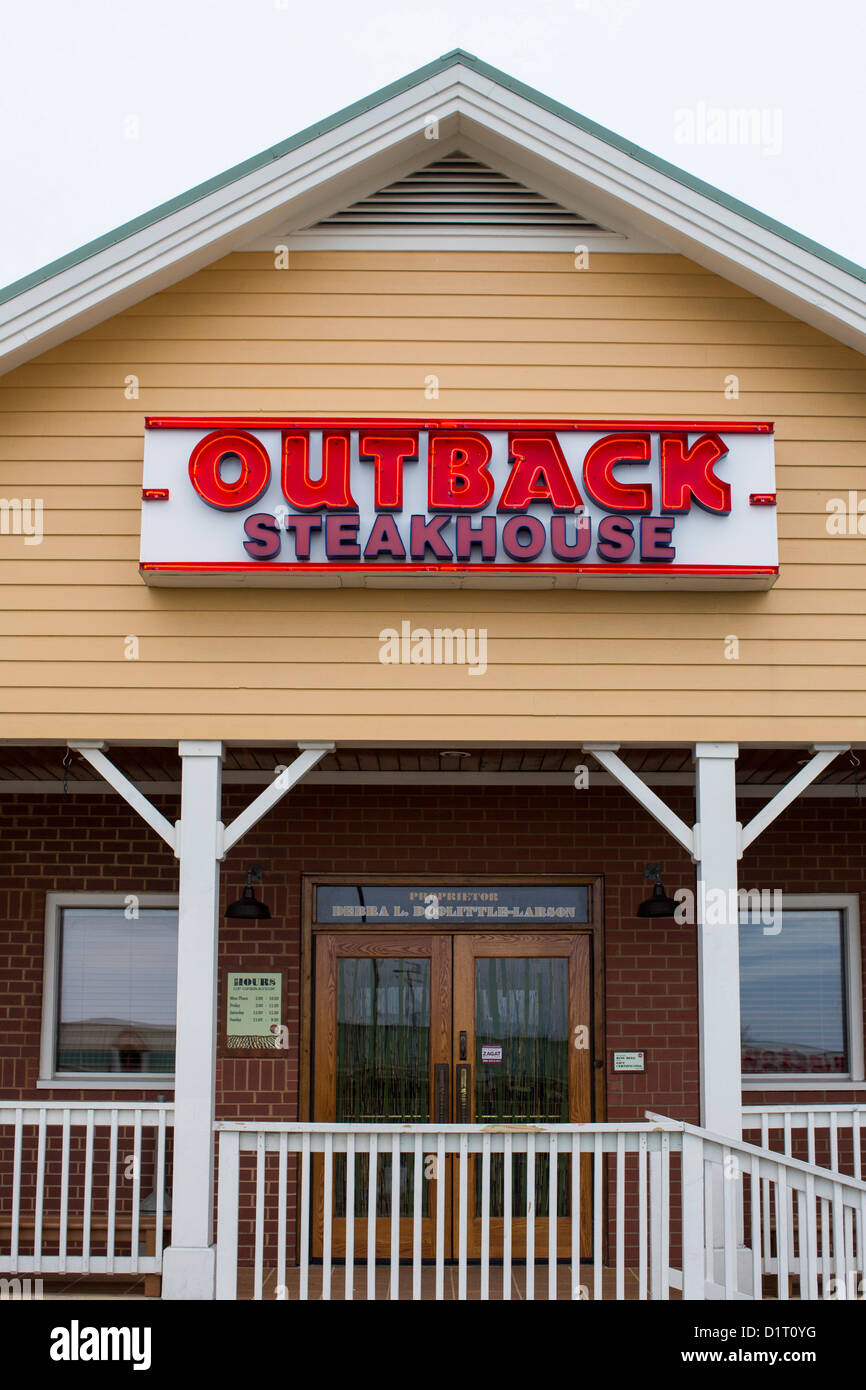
(849, 904)
(49, 1077)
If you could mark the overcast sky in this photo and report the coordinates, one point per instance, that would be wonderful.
(112, 106)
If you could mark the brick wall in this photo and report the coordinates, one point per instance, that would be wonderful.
(95, 843)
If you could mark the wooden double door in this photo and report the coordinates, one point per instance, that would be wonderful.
(489, 1028)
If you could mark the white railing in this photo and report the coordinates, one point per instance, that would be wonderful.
(832, 1137)
(459, 1211)
(83, 1187)
(764, 1213)
(632, 1194)
(574, 1255)
(783, 1125)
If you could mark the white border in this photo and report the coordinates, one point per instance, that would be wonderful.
(849, 904)
(80, 1081)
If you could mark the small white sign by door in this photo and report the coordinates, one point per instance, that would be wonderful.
(491, 1054)
(628, 1061)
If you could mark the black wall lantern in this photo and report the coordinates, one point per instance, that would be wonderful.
(249, 906)
(659, 905)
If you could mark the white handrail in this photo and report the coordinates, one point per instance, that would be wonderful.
(815, 1120)
(806, 1108)
(806, 1222)
(660, 1123)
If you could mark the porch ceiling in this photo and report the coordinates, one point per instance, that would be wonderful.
(149, 766)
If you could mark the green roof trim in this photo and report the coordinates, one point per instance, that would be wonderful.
(393, 89)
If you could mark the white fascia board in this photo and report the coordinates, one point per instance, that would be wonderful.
(368, 179)
(554, 183)
(630, 193)
(627, 193)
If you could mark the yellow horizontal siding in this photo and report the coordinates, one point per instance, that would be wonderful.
(507, 303)
(445, 280)
(464, 607)
(510, 644)
(511, 335)
(72, 363)
(59, 388)
(811, 416)
(443, 327)
(51, 634)
(423, 702)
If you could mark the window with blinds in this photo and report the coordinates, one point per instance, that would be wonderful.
(117, 995)
(793, 994)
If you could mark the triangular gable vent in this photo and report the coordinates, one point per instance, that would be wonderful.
(457, 203)
(457, 192)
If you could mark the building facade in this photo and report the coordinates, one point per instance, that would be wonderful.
(418, 544)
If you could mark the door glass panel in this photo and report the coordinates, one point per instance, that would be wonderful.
(521, 1066)
(383, 1066)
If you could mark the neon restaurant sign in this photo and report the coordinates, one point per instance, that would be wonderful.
(604, 504)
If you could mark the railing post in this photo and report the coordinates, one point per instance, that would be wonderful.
(656, 1217)
(227, 1214)
(693, 1217)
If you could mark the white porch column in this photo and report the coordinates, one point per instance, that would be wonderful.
(716, 856)
(190, 1261)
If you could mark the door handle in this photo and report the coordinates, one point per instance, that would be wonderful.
(441, 1080)
(464, 1077)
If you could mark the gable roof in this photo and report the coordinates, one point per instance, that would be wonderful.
(367, 145)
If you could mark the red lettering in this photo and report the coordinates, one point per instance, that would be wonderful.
(387, 453)
(458, 476)
(205, 464)
(598, 476)
(688, 473)
(539, 472)
(332, 489)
